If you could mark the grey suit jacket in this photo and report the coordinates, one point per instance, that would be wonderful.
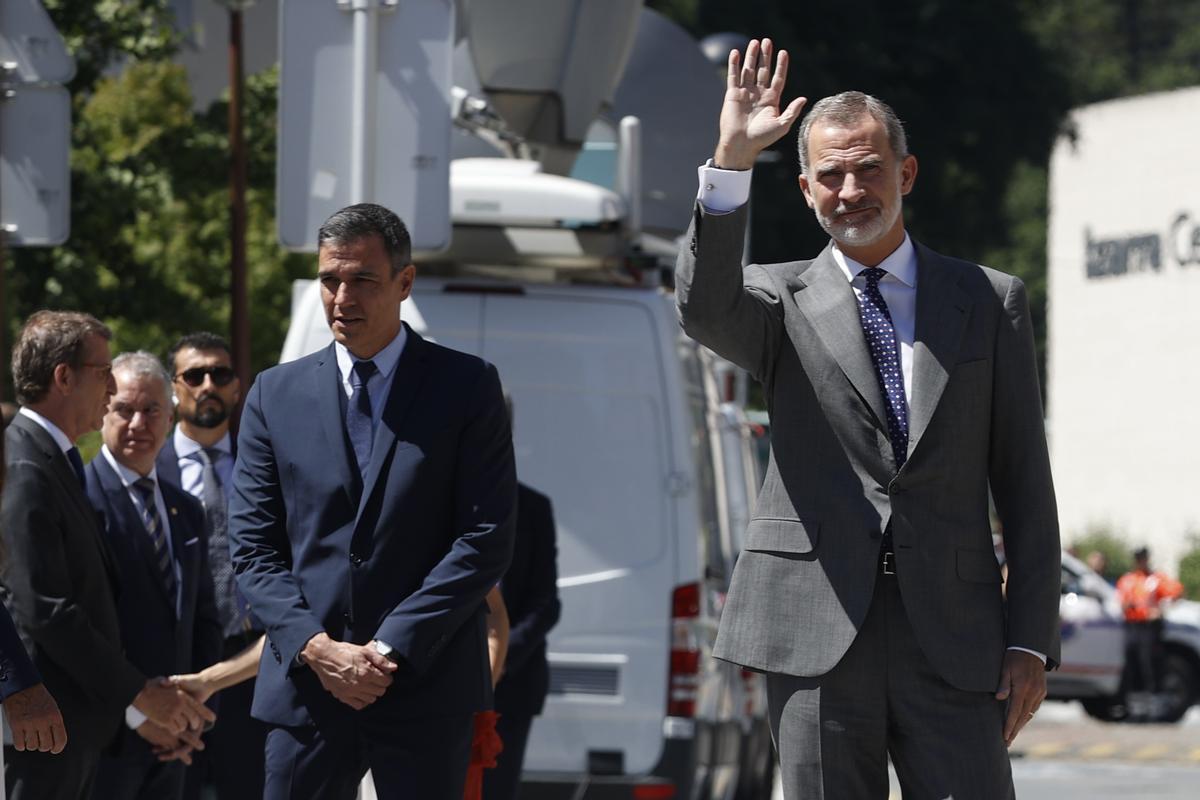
(802, 587)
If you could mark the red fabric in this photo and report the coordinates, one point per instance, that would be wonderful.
(485, 746)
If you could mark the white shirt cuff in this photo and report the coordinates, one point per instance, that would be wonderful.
(722, 190)
(134, 718)
(1042, 656)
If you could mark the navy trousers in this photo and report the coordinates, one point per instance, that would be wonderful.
(409, 760)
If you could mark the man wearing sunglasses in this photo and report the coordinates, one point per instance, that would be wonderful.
(198, 457)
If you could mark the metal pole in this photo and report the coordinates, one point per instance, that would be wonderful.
(362, 101)
(239, 317)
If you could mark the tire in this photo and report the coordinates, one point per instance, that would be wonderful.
(1106, 709)
(1180, 685)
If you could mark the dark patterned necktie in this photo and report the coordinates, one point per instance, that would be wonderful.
(158, 536)
(358, 414)
(231, 607)
(77, 465)
(885, 353)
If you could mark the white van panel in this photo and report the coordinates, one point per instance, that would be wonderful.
(586, 371)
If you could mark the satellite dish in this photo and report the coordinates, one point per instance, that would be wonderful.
(673, 89)
(549, 79)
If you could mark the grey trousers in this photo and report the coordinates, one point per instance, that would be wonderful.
(834, 733)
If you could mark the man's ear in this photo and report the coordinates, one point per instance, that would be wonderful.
(908, 174)
(808, 198)
(63, 379)
(407, 276)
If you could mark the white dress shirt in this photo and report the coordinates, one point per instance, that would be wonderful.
(724, 190)
(191, 468)
(379, 385)
(61, 439)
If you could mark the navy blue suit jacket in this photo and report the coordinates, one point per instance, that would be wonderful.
(405, 554)
(530, 589)
(155, 639)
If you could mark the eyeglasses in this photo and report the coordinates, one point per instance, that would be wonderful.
(105, 369)
(221, 376)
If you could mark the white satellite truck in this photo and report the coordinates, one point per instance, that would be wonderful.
(564, 283)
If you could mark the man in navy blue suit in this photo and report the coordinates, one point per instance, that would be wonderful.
(373, 510)
(157, 538)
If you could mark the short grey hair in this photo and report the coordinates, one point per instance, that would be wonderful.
(846, 109)
(140, 364)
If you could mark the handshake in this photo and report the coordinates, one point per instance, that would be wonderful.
(175, 716)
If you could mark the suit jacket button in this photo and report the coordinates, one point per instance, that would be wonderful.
(356, 559)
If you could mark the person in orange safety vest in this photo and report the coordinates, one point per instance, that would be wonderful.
(1142, 593)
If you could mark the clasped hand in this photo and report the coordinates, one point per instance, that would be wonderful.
(171, 707)
(355, 674)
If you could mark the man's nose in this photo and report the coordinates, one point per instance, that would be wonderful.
(344, 296)
(851, 189)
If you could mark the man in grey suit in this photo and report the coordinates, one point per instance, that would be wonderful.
(902, 387)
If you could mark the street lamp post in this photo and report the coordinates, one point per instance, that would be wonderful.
(239, 312)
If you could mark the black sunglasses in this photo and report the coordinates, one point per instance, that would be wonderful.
(221, 376)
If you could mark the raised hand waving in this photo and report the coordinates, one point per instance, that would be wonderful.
(750, 118)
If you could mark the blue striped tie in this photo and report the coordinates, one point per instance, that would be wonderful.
(162, 554)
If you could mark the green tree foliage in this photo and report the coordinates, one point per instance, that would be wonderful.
(1118, 555)
(1189, 569)
(149, 248)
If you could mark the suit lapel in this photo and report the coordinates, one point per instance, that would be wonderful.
(328, 382)
(827, 300)
(406, 382)
(942, 311)
(58, 466)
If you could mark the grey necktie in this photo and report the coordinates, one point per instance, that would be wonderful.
(230, 607)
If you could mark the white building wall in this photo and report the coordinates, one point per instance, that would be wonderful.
(1124, 341)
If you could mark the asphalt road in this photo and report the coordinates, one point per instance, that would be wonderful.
(1065, 755)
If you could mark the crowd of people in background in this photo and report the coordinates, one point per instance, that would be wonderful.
(131, 669)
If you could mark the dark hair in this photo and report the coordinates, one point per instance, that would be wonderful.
(200, 340)
(47, 339)
(848, 108)
(364, 220)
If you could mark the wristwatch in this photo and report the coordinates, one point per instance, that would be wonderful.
(387, 651)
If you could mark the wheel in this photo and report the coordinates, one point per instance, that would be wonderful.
(1106, 709)
(1179, 687)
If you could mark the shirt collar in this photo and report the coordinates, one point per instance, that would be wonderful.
(186, 447)
(128, 476)
(385, 360)
(900, 264)
(56, 433)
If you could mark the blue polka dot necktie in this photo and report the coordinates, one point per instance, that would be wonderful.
(885, 353)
